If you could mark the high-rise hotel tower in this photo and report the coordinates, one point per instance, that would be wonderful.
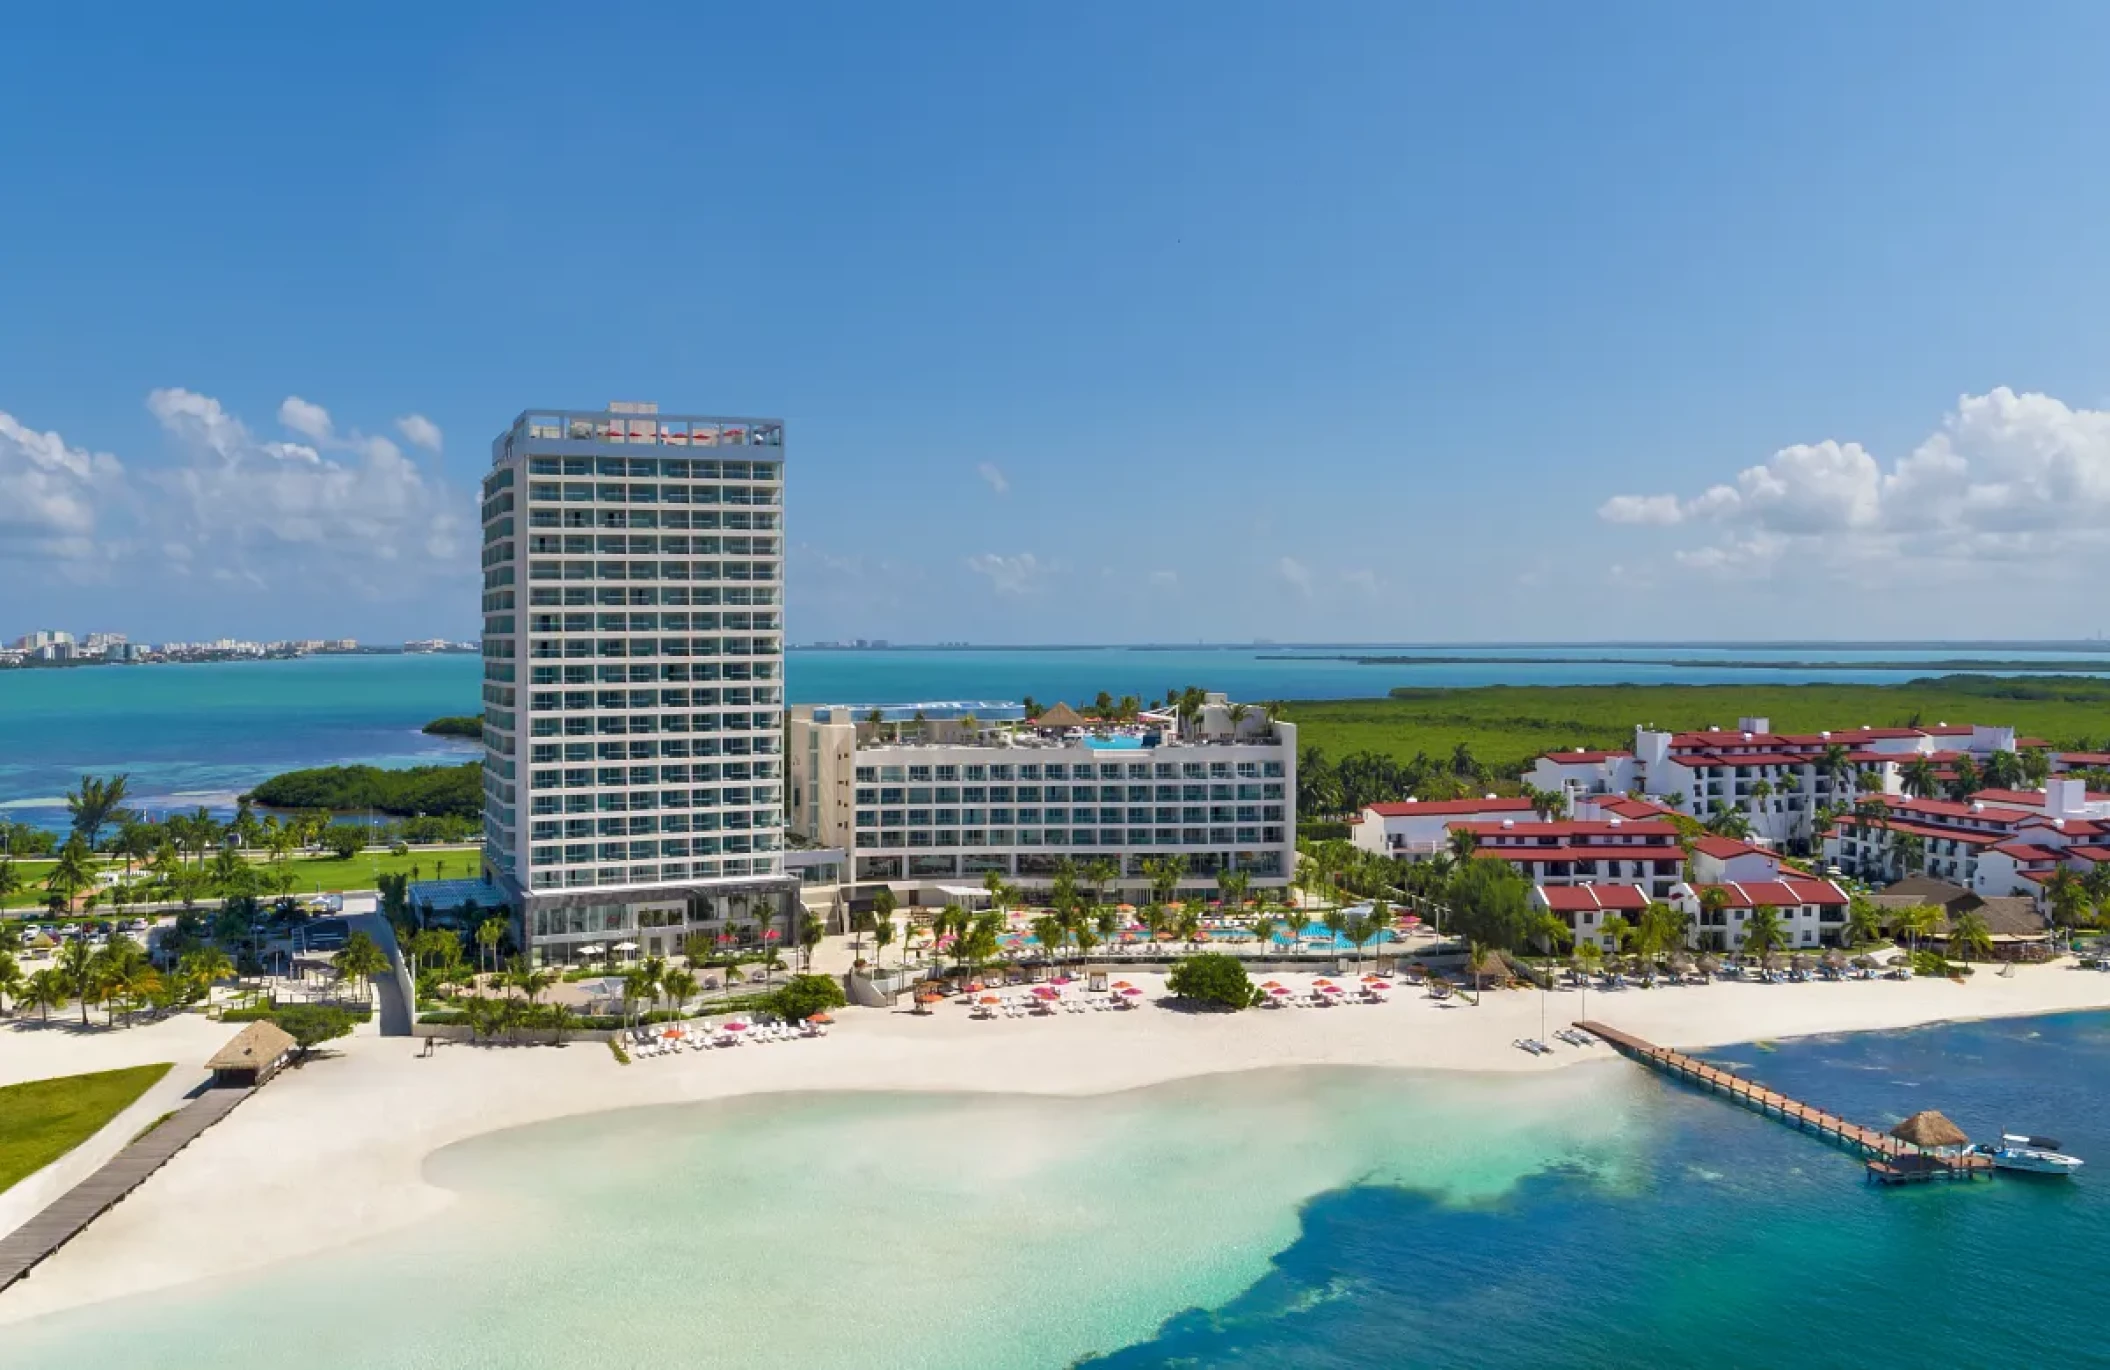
(634, 678)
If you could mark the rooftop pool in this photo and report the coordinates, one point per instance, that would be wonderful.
(1121, 743)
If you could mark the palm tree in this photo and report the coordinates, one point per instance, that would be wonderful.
(1969, 937)
(1917, 921)
(47, 990)
(1099, 874)
(1615, 930)
(1910, 851)
(11, 980)
(95, 805)
(76, 962)
(1461, 841)
(205, 967)
(1919, 778)
(1049, 931)
(2003, 771)
(640, 984)
(1864, 922)
(883, 937)
(489, 934)
(71, 873)
(1762, 931)
(10, 880)
(679, 987)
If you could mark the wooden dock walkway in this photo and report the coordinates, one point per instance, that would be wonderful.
(1890, 1161)
(66, 1216)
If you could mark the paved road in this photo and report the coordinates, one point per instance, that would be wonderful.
(397, 993)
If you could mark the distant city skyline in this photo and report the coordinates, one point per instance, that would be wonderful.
(1464, 324)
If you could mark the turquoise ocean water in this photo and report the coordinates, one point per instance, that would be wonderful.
(1324, 1218)
(200, 734)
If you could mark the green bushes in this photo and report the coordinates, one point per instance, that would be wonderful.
(805, 995)
(1212, 977)
(446, 791)
(265, 1013)
(470, 726)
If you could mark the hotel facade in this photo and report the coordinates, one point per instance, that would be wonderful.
(928, 799)
(634, 678)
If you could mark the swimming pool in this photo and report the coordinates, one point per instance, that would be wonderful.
(1118, 743)
(1315, 932)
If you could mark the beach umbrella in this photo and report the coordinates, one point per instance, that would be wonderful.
(1864, 963)
(1121, 984)
(592, 949)
(821, 1017)
(1131, 991)
(1835, 958)
(991, 999)
(1125, 908)
(1045, 992)
(672, 1034)
(924, 1001)
(1409, 920)
(1277, 989)
(736, 1026)
(1899, 959)
(626, 946)
(1709, 965)
(1329, 989)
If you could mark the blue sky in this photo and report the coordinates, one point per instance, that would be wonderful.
(1123, 323)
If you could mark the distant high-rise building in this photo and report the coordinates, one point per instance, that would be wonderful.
(633, 678)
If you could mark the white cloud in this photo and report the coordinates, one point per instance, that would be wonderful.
(1297, 574)
(419, 431)
(50, 492)
(1661, 510)
(1013, 575)
(991, 473)
(366, 517)
(1164, 580)
(2006, 476)
(311, 421)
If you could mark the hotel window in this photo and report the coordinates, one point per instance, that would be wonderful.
(977, 772)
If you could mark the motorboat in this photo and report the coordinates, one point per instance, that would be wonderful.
(2037, 1155)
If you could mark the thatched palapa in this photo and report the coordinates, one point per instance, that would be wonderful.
(1930, 1131)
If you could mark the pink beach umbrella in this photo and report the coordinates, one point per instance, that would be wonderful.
(1045, 992)
(1132, 991)
(1279, 991)
(736, 1026)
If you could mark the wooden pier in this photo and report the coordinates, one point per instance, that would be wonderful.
(1890, 1161)
(69, 1214)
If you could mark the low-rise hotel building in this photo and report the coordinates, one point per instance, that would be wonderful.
(929, 799)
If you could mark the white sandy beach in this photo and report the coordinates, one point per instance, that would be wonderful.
(333, 1153)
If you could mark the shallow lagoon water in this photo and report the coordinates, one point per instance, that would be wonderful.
(1295, 1217)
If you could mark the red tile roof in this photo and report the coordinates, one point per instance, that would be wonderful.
(1725, 848)
(1536, 855)
(1572, 827)
(1583, 758)
(1627, 808)
(1437, 808)
(1575, 898)
(1749, 894)
(2025, 851)
(2028, 799)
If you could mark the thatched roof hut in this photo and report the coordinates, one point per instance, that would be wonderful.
(254, 1055)
(1059, 715)
(1710, 963)
(1489, 964)
(1930, 1131)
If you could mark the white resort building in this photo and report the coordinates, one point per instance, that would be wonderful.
(927, 799)
(1779, 780)
(634, 678)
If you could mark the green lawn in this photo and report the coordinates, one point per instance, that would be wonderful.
(1508, 724)
(310, 873)
(42, 1120)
